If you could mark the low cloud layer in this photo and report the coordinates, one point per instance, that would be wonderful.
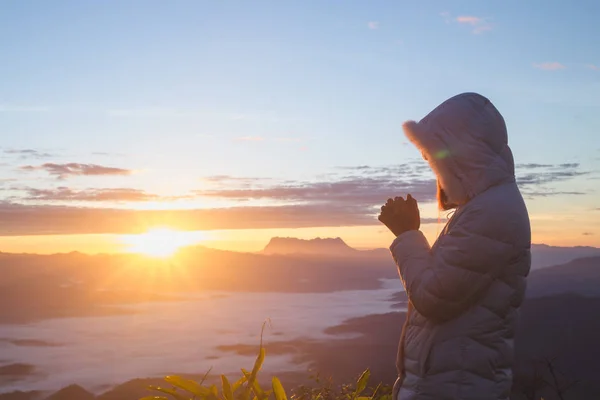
(63, 171)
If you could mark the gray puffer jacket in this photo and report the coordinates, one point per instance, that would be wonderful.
(464, 292)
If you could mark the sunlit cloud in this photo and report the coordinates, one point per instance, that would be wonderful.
(65, 194)
(62, 171)
(345, 196)
(549, 66)
(593, 67)
(478, 24)
(373, 24)
(466, 19)
(19, 219)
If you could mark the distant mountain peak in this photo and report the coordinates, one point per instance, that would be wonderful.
(290, 245)
(72, 392)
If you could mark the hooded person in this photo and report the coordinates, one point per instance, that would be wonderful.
(464, 292)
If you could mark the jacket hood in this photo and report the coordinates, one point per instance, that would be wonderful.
(465, 142)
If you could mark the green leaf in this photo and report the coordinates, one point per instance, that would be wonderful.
(186, 384)
(258, 363)
(239, 383)
(227, 392)
(253, 385)
(361, 384)
(172, 392)
(278, 389)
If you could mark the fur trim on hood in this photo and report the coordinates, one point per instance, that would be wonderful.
(465, 142)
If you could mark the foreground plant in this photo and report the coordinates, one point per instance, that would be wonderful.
(248, 388)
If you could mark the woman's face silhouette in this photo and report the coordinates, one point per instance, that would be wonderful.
(443, 202)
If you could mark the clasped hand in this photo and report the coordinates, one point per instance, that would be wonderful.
(400, 215)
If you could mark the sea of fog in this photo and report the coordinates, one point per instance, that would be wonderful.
(178, 337)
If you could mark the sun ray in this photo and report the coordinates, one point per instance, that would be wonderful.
(161, 242)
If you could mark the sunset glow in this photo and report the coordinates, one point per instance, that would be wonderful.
(160, 242)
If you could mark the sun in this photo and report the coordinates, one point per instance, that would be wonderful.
(160, 242)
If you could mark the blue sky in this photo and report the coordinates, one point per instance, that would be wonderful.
(285, 93)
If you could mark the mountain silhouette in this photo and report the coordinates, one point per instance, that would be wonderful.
(73, 392)
(580, 276)
(325, 246)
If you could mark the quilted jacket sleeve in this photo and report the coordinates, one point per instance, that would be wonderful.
(442, 283)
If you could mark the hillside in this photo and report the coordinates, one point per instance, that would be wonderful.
(580, 276)
(544, 255)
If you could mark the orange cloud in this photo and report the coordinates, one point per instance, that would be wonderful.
(479, 24)
(23, 220)
(466, 19)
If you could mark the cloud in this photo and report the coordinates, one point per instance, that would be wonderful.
(593, 67)
(107, 154)
(373, 24)
(533, 166)
(367, 186)
(549, 193)
(20, 220)
(346, 196)
(62, 171)
(363, 187)
(93, 195)
(547, 173)
(587, 234)
(536, 180)
(478, 24)
(28, 153)
(465, 19)
(228, 181)
(549, 66)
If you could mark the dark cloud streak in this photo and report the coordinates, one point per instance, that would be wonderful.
(62, 171)
(93, 195)
(28, 153)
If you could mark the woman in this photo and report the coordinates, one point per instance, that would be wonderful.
(464, 292)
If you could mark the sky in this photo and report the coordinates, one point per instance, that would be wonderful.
(239, 121)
